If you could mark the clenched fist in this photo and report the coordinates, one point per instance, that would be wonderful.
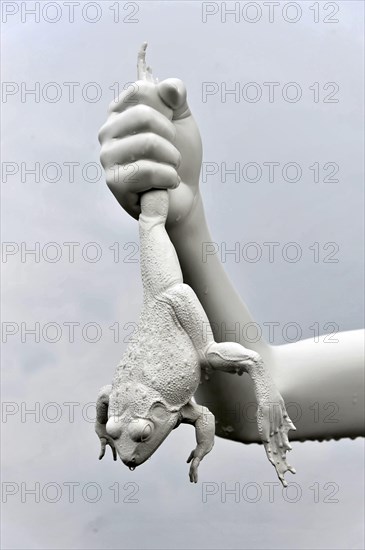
(150, 140)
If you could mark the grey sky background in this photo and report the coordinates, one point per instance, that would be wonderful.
(171, 512)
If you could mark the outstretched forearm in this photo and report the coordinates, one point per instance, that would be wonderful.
(324, 382)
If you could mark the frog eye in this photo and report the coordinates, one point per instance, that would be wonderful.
(147, 431)
(140, 430)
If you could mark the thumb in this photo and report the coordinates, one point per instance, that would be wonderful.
(173, 92)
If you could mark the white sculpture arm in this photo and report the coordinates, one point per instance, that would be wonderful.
(308, 374)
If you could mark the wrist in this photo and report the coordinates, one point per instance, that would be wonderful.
(191, 221)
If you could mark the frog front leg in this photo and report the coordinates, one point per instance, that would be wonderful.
(272, 419)
(203, 421)
(102, 405)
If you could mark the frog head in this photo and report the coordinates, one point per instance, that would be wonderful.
(137, 436)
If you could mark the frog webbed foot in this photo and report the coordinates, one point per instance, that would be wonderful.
(274, 424)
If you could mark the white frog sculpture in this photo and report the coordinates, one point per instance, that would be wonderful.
(154, 384)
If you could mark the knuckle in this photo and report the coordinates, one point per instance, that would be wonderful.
(144, 88)
(179, 158)
(150, 172)
(132, 94)
(111, 178)
(173, 130)
(130, 174)
(136, 93)
(145, 116)
(112, 107)
(104, 156)
(148, 144)
(102, 133)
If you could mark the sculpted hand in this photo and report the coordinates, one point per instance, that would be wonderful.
(150, 140)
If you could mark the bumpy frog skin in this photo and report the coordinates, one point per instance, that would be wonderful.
(154, 384)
